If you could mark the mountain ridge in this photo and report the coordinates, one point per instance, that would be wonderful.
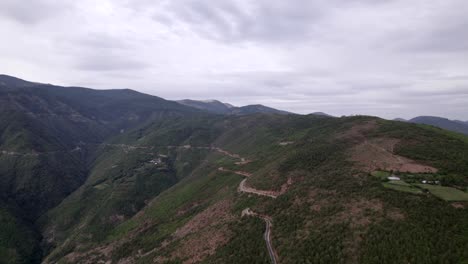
(441, 122)
(219, 107)
(91, 176)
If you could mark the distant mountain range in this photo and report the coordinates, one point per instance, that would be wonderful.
(217, 107)
(445, 123)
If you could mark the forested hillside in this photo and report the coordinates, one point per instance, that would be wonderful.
(120, 177)
(305, 173)
(49, 136)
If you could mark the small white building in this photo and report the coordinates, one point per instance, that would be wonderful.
(393, 178)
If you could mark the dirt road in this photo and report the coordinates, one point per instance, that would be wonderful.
(244, 188)
(266, 235)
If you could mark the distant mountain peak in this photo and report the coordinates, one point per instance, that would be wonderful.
(218, 107)
(321, 114)
(10, 81)
(210, 101)
(442, 122)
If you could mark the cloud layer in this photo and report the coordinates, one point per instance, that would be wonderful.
(391, 58)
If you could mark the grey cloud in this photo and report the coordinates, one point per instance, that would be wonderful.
(110, 62)
(392, 58)
(251, 20)
(443, 31)
(31, 12)
(261, 20)
(101, 51)
(102, 41)
(453, 38)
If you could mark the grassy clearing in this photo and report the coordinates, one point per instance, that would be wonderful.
(381, 174)
(399, 183)
(402, 186)
(445, 193)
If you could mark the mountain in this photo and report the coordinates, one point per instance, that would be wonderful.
(121, 177)
(213, 106)
(218, 107)
(10, 81)
(253, 109)
(461, 122)
(321, 114)
(230, 174)
(48, 139)
(400, 120)
(452, 125)
(48, 123)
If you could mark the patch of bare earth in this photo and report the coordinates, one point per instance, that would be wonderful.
(285, 143)
(104, 253)
(116, 218)
(378, 154)
(358, 132)
(97, 255)
(459, 205)
(359, 213)
(188, 208)
(243, 161)
(318, 199)
(202, 235)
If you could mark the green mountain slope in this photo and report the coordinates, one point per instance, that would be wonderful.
(19, 242)
(327, 207)
(121, 177)
(49, 136)
(217, 107)
(49, 132)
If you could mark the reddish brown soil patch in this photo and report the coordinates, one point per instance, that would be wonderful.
(318, 198)
(187, 209)
(357, 132)
(360, 212)
(197, 247)
(213, 215)
(97, 255)
(115, 219)
(377, 154)
(458, 205)
(395, 214)
(202, 235)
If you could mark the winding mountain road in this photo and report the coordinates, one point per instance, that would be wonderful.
(266, 235)
(244, 188)
(247, 212)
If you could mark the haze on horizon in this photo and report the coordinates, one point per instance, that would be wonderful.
(389, 58)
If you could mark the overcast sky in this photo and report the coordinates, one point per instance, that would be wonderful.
(390, 58)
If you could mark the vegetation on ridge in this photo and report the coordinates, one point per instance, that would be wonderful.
(158, 182)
